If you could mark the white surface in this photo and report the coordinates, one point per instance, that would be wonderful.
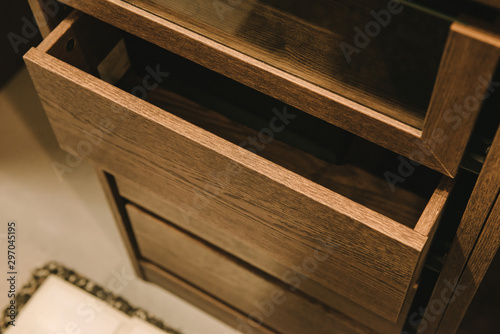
(58, 307)
(68, 220)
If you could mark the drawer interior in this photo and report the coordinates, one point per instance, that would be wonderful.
(205, 144)
(346, 164)
(377, 53)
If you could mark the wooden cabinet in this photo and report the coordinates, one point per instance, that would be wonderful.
(422, 140)
(237, 173)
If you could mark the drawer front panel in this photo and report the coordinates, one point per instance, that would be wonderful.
(200, 299)
(237, 284)
(147, 148)
(368, 258)
(166, 208)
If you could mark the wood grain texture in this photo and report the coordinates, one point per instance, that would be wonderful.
(162, 206)
(410, 134)
(237, 284)
(352, 179)
(61, 30)
(199, 298)
(393, 75)
(432, 212)
(268, 203)
(117, 206)
(469, 61)
(434, 208)
(483, 254)
(434, 145)
(478, 208)
(333, 108)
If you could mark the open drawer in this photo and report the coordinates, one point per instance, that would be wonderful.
(395, 75)
(335, 220)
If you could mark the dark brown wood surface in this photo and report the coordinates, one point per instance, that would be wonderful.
(161, 206)
(266, 201)
(469, 61)
(481, 257)
(235, 283)
(421, 225)
(199, 298)
(152, 146)
(307, 42)
(357, 177)
(477, 211)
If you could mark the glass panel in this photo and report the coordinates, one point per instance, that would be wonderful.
(374, 52)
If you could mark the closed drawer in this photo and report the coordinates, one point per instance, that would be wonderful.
(226, 242)
(263, 300)
(394, 74)
(345, 226)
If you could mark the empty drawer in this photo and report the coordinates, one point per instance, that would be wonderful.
(338, 224)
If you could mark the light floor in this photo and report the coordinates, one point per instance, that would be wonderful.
(61, 307)
(68, 219)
